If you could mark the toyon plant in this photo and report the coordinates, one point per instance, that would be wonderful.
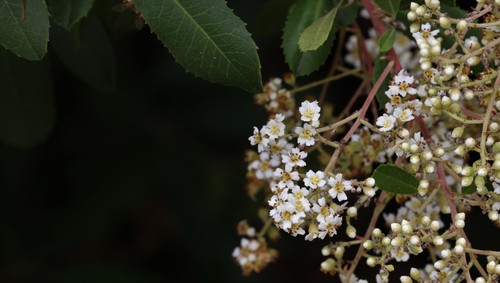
(425, 137)
(419, 132)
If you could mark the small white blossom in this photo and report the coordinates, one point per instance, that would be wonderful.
(260, 139)
(314, 180)
(386, 122)
(425, 35)
(329, 226)
(285, 178)
(310, 111)
(306, 134)
(294, 158)
(403, 115)
(264, 165)
(339, 187)
(275, 127)
(245, 253)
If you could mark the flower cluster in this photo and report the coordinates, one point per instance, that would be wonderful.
(438, 125)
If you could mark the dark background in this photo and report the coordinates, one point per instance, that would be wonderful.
(144, 182)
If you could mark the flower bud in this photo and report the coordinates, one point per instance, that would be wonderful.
(454, 94)
(439, 152)
(462, 25)
(437, 240)
(458, 250)
(435, 225)
(429, 168)
(370, 182)
(460, 150)
(339, 252)
(493, 126)
(473, 61)
(493, 215)
(386, 241)
(444, 22)
(490, 141)
(426, 221)
(481, 190)
(328, 265)
(352, 211)
(368, 244)
(482, 171)
(439, 265)
(470, 142)
(480, 280)
(446, 253)
(371, 261)
(397, 242)
(415, 273)
(490, 267)
(468, 94)
(414, 240)
(420, 11)
(350, 231)
(457, 132)
(467, 181)
(405, 279)
(326, 251)
(377, 233)
(411, 16)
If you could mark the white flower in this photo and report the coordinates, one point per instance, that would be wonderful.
(425, 35)
(275, 127)
(314, 180)
(329, 225)
(386, 122)
(259, 139)
(322, 209)
(294, 158)
(264, 165)
(298, 197)
(279, 147)
(339, 187)
(403, 115)
(286, 178)
(309, 111)
(402, 85)
(282, 215)
(306, 134)
(400, 255)
(245, 253)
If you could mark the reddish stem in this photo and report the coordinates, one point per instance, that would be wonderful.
(380, 29)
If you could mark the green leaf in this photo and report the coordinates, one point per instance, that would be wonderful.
(391, 7)
(386, 41)
(391, 178)
(26, 105)
(66, 13)
(451, 3)
(271, 19)
(378, 68)
(87, 52)
(317, 33)
(348, 14)
(300, 16)
(24, 32)
(207, 39)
